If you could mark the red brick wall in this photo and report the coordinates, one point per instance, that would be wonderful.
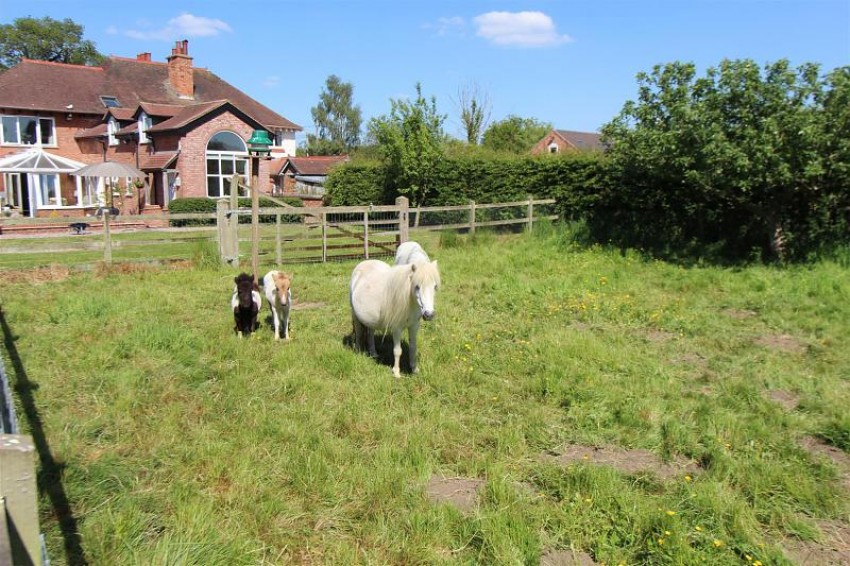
(192, 162)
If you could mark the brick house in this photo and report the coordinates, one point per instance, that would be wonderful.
(303, 177)
(183, 126)
(564, 141)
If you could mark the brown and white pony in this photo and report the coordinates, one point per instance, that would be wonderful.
(277, 287)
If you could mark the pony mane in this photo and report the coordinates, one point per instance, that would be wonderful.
(400, 291)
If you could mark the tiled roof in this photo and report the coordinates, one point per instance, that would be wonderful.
(317, 165)
(158, 161)
(131, 81)
(275, 165)
(127, 130)
(121, 113)
(98, 131)
(582, 140)
(189, 114)
(160, 110)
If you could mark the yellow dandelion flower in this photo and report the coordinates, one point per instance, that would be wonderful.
(688, 478)
(748, 557)
(668, 533)
(588, 500)
(698, 529)
(661, 541)
(757, 563)
(671, 513)
(718, 543)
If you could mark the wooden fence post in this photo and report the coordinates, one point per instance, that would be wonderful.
(324, 237)
(277, 241)
(228, 245)
(403, 219)
(472, 217)
(366, 235)
(530, 214)
(18, 491)
(107, 239)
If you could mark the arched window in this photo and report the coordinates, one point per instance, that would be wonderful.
(227, 155)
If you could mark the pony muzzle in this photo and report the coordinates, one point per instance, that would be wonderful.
(428, 315)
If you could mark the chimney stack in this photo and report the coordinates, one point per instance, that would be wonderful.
(180, 70)
(145, 57)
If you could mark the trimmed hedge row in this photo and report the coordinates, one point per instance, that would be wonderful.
(206, 205)
(571, 179)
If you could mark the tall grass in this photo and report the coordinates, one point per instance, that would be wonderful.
(182, 444)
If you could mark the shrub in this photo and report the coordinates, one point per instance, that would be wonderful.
(206, 205)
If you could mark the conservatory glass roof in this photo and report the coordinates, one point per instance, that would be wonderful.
(36, 160)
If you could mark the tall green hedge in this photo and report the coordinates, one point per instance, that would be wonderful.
(572, 179)
(206, 205)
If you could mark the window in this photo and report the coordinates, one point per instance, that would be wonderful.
(145, 122)
(110, 101)
(112, 127)
(553, 147)
(47, 189)
(227, 155)
(27, 130)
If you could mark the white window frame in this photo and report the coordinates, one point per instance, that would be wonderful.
(145, 122)
(38, 188)
(231, 157)
(38, 121)
(112, 127)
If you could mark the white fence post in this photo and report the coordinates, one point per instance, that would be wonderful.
(530, 213)
(472, 217)
(107, 239)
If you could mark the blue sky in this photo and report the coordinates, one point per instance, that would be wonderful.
(569, 63)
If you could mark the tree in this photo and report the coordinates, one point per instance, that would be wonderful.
(45, 39)
(514, 134)
(337, 120)
(474, 107)
(733, 160)
(411, 140)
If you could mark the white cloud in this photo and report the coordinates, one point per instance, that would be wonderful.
(183, 26)
(454, 25)
(521, 29)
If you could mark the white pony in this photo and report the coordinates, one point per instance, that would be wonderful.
(277, 287)
(410, 252)
(392, 298)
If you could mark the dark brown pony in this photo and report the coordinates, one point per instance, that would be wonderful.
(245, 304)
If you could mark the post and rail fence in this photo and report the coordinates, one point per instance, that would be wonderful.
(286, 233)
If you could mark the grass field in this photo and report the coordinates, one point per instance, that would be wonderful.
(716, 399)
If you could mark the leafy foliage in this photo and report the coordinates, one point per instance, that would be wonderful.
(741, 160)
(514, 134)
(45, 39)
(337, 120)
(191, 205)
(474, 106)
(410, 139)
(572, 178)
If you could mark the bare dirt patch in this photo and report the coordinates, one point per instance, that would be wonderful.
(635, 461)
(739, 314)
(36, 276)
(783, 342)
(659, 336)
(566, 558)
(818, 447)
(462, 493)
(835, 548)
(786, 399)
